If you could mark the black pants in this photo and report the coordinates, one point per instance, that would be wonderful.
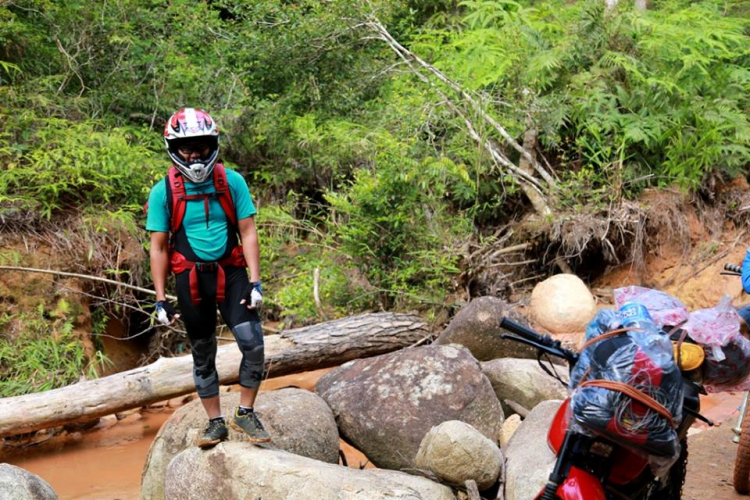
(200, 322)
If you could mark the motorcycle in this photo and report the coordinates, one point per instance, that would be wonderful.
(595, 467)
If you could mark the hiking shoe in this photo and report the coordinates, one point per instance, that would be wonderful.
(216, 432)
(250, 425)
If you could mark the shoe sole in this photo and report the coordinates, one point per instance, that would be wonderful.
(208, 444)
(250, 439)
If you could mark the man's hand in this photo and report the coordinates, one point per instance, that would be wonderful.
(253, 295)
(165, 312)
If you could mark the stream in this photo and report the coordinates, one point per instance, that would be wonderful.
(103, 463)
(106, 461)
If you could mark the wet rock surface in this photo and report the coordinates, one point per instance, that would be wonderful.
(19, 484)
(385, 405)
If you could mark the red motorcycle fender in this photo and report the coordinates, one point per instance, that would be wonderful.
(559, 427)
(579, 485)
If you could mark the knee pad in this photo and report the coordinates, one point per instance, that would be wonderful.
(205, 377)
(249, 337)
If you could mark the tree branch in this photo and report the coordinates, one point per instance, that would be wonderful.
(405, 53)
(82, 276)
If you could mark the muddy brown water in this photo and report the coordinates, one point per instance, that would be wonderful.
(105, 462)
(102, 463)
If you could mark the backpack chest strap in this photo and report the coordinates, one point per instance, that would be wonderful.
(179, 264)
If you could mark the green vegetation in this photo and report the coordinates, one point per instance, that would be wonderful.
(39, 351)
(362, 169)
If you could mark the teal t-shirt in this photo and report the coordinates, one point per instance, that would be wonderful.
(208, 240)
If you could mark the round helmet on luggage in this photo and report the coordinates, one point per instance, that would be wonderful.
(733, 369)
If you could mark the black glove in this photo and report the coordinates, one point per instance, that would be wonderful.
(253, 295)
(166, 314)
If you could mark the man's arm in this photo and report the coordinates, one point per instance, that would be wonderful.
(250, 246)
(159, 263)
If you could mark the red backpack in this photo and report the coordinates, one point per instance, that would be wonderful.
(177, 199)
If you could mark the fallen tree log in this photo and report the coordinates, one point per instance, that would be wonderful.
(319, 346)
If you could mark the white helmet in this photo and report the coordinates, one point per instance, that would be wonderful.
(189, 125)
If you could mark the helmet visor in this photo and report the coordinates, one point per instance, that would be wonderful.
(194, 148)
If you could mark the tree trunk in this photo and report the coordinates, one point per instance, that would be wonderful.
(326, 344)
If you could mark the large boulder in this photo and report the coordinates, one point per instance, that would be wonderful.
(528, 458)
(19, 484)
(562, 304)
(386, 404)
(457, 452)
(299, 421)
(524, 381)
(477, 327)
(240, 471)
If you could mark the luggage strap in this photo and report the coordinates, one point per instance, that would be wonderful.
(635, 394)
(609, 335)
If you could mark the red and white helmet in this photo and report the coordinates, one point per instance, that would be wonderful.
(190, 125)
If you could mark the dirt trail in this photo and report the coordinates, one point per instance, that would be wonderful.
(711, 464)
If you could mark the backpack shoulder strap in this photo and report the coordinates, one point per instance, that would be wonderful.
(224, 194)
(176, 199)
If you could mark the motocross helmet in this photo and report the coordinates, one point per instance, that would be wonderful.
(188, 127)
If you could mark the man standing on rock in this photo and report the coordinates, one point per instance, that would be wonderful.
(195, 215)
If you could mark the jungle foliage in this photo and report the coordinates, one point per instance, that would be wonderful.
(359, 168)
(41, 351)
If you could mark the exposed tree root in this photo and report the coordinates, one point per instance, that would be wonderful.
(591, 241)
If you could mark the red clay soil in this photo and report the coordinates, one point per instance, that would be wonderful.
(711, 464)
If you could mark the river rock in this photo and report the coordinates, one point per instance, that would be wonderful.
(386, 404)
(477, 327)
(524, 381)
(299, 421)
(19, 484)
(241, 471)
(528, 458)
(457, 452)
(510, 426)
(562, 304)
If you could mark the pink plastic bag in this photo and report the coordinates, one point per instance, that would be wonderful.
(727, 363)
(716, 329)
(663, 308)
